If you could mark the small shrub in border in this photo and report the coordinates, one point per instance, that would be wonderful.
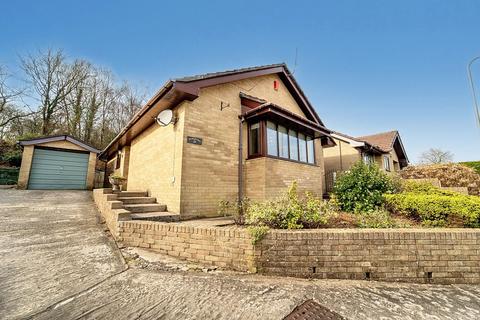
(290, 211)
(257, 233)
(362, 188)
(379, 218)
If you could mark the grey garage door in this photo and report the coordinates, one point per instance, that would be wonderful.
(54, 169)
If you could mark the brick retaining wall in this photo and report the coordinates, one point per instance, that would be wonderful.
(224, 247)
(409, 255)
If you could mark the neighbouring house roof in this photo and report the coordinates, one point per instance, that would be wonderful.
(62, 137)
(188, 88)
(383, 142)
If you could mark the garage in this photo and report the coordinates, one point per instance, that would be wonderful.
(57, 163)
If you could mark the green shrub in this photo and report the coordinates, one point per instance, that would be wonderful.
(257, 233)
(289, 211)
(475, 165)
(362, 188)
(435, 207)
(379, 218)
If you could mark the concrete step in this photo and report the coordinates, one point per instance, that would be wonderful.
(147, 207)
(137, 200)
(125, 194)
(156, 216)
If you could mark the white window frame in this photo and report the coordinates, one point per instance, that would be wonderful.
(386, 163)
(367, 158)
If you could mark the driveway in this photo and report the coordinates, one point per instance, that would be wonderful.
(57, 263)
(51, 247)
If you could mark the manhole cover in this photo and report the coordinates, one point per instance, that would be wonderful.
(310, 310)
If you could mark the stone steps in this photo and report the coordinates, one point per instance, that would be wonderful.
(164, 216)
(137, 200)
(142, 207)
(147, 207)
(125, 194)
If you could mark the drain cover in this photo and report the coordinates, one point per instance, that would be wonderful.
(310, 310)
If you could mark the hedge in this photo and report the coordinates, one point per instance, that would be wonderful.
(435, 207)
(475, 165)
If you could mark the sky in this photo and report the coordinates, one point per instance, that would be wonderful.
(366, 66)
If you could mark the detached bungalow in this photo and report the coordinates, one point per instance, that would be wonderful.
(385, 149)
(241, 133)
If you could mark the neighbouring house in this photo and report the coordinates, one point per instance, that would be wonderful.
(243, 133)
(57, 162)
(385, 149)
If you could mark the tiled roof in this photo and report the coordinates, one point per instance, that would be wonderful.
(228, 72)
(383, 140)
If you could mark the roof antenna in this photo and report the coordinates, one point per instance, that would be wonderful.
(296, 58)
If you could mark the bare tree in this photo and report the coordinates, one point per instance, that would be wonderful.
(67, 96)
(436, 156)
(8, 96)
(52, 79)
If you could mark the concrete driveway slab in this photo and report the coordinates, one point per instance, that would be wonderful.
(51, 247)
(144, 294)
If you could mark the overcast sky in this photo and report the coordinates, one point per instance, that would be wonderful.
(367, 66)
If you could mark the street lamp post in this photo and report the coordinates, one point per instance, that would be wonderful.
(472, 86)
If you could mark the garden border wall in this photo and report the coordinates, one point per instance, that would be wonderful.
(410, 255)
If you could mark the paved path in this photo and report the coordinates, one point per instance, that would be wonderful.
(58, 264)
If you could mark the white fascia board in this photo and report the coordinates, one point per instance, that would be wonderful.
(353, 143)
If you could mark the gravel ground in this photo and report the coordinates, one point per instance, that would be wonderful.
(58, 263)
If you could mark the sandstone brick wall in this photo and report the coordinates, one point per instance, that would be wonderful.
(424, 256)
(349, 156)
(388, 255)
(110, 209)
(26, 165)
(267, 178)
(155, 162)
(223, 247)
(408, 255)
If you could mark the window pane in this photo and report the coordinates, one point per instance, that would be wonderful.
(254, 139)
(293, 144)
(310, 152)
(386, 163)
(283, 142)
(302, 146)
(272, 141)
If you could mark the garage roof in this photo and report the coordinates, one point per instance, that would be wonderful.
(62, 137)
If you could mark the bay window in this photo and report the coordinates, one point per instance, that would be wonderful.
(280, 142)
